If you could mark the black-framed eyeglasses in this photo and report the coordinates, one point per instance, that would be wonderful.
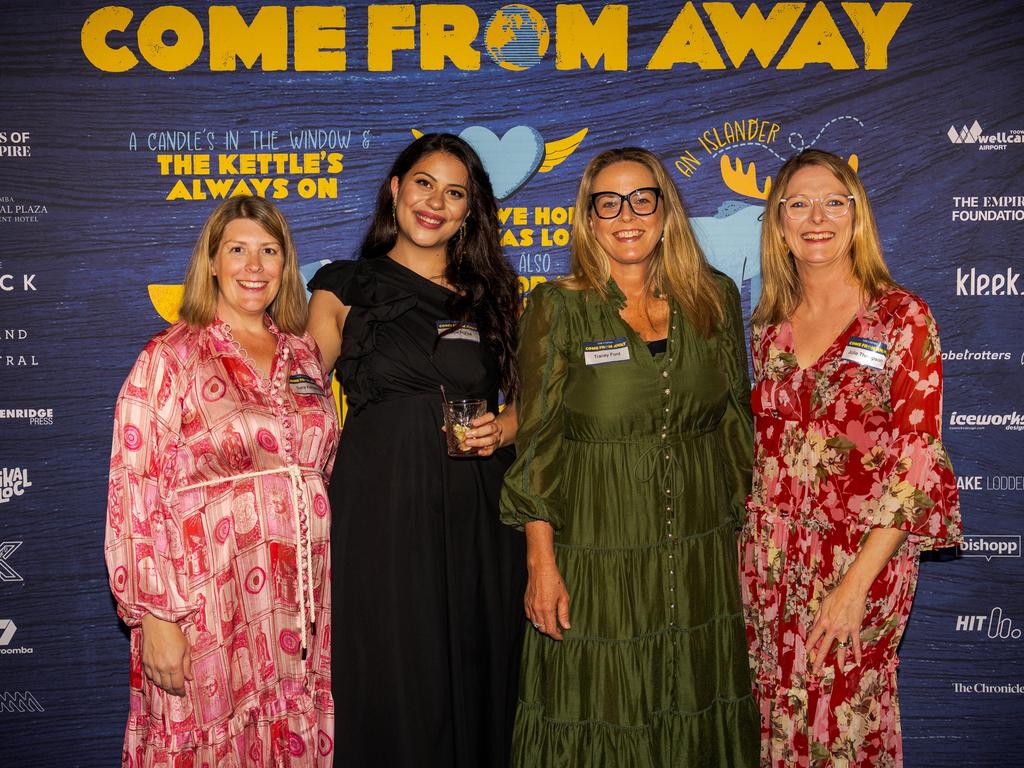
(642, 202)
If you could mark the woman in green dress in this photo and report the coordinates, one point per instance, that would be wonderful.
(634, 463)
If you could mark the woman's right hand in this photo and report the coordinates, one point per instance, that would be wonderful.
(547, 600)
(166, 655)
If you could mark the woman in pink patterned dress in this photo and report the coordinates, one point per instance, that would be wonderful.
(217, 519)
(851, 481)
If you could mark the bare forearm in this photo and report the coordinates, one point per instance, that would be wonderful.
(880, 545)
(540, 544)
(508, 425)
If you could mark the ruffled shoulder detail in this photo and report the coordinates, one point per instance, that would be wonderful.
(372, 301)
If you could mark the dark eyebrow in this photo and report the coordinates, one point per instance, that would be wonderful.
(434, 179)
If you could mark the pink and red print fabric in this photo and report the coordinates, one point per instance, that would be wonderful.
(841, 447)
(218, 519)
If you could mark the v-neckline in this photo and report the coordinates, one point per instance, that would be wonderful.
(618, 300)
(825, 353)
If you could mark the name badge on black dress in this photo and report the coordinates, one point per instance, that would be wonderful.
(462, 332)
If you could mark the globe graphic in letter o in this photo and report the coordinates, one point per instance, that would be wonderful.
(517, 37)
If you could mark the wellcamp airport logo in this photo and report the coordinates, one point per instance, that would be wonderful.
(990, 545)
(7, 630)
(985, 141)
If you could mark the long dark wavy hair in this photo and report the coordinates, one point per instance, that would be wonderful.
(486, 287)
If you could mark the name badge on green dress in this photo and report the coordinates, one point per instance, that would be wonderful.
(606, 351)
(866, 352)
(302, 384)
(467, 331)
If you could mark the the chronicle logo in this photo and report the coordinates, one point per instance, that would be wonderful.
(7, 573)
(19, 701)
(13, 482)
(990, 545)
(7, 630)
(991, 141)
(994, 625)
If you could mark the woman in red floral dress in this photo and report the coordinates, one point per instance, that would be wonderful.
(851, 481)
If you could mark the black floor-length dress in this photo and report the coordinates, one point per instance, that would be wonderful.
(427, 583)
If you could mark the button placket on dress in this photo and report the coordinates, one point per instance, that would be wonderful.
(666, 456)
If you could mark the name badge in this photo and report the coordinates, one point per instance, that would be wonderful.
(867, 352)
(607, 351)
(463, 332)
(302, 384)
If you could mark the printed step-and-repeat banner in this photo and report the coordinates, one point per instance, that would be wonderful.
(123, 125)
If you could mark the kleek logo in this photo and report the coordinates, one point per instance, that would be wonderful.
(13, 482)
(995, 626)
(990, 545)
(976, 283)
(19, 701)
(7, 573)
(1014, 422)
(7, 630)
(985, 141)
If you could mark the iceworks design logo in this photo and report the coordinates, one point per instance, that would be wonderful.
(965, 135)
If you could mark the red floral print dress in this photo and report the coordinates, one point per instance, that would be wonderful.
(218, 519)
(842, 446)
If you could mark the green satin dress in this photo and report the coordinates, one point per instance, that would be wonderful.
(642, 466)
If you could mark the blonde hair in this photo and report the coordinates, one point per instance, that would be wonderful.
(678, 267)
(199, 306)
(781, 291)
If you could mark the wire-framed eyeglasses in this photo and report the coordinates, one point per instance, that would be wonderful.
(642, 202)
(799, 207)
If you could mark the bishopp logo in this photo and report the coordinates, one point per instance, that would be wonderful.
(7, 573)
(965, 135)
(990, 545)
(994, 626)
(19, 701)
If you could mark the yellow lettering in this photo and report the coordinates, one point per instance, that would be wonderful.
(389, 28)
(319, 38)
(231, 38)
(102, 22)
(819, 41)
(876, 31)
(580, 38)
(752, 32)
(686, 42)
(448, 32)
(184, 51)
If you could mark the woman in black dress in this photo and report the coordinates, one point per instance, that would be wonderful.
(427, 583)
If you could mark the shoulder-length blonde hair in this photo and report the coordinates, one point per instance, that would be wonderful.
(781, 290)
(199, 307)
(678, 267)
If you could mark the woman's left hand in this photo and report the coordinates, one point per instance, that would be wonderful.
(485, 435)
(838, 621)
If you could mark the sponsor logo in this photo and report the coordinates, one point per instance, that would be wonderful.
(15, 144)
(7, 630)
(1013, 422)
(994, 625)
(977, 283)
(19, 701)
(990, 482)
(13, 482)
(15, 211)
(976, 355)
(1016, 688)
(974, 134)
(36, 417)
(990, 545)
(7, 573)
(988, 208)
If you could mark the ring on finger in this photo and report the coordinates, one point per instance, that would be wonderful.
(536, 625)
(844, 643)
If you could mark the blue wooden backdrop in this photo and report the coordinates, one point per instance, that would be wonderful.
(934, 116)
